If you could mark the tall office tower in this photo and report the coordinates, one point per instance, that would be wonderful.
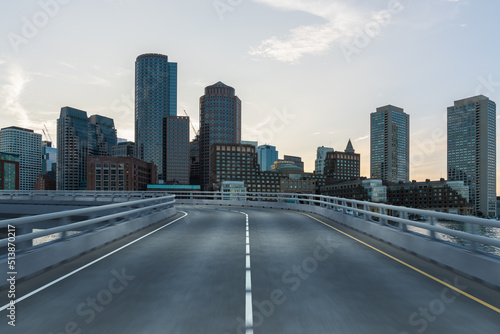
(390, 144)
(220, 122)
(472, 150)
(28, 145)
(267, 157)
(176, 149)
(320, 159)
(77, 138)
(155, 99)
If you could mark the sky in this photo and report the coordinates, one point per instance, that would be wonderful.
(308, 72)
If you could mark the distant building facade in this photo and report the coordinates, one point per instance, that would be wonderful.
(119, 174)
(472, 150)
(45, 182)
(320, 159)
(236, 162)
(267, 155)
(361, 190)
(342, 166)
(390, 144)
(220, 122)
(233, 190)
(194, 161)
(176, 149)
(123, 149)
(250, 142)
(49, 159)
(155, 99)
(296, 160)
(442, 196)
(79, 137)
(28, 146)
(9, 171)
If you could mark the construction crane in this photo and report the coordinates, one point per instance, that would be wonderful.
(194, 129)
(47, 134)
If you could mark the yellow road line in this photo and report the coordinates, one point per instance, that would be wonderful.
(496, 309)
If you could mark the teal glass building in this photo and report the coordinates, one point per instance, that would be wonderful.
(155, 99)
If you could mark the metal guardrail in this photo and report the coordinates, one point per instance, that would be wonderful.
(383, 214)
(386, 215)
(146, 203)
(105, 196)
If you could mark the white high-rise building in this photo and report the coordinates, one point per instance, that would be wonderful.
(320, 159)
(28, 145)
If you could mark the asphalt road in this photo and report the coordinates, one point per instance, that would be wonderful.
(305, 277)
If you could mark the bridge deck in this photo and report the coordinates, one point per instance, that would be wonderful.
(190, 277)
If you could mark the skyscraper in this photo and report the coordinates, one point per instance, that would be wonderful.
(220, 122)
(390, 144)
(267, 156)
(77, 138)
(472, 150)
(176, 149)
(320, 159)
(28, 145)
(155, 99)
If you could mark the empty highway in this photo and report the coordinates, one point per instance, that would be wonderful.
(223, 270)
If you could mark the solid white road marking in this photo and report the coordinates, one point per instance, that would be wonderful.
(34, 292)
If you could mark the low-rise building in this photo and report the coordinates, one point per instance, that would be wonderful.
(233, 191)
(442, 196)
(237, 162)
(123, 149)
(361, 190)
(45, 182)
(120, 174)
(9, 171)
(342, 166)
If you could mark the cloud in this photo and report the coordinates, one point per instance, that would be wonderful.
(11, 93)
(342, 21)
(362, 138)
(2, 62)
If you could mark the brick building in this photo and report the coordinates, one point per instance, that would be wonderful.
(120, 174)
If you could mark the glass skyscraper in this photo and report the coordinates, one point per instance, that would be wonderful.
(390, 144)
(472, 150)
(267, 156)
(77, 138)
(220, 122)
(155, 99)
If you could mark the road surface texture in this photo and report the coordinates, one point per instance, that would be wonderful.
(223, 270)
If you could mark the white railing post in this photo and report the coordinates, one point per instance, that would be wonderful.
(404, 227)
(432, 222)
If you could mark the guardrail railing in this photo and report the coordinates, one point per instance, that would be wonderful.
(87, 219)
(58, 195)
(476, 234)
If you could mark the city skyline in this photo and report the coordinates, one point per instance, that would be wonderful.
(266, 65)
